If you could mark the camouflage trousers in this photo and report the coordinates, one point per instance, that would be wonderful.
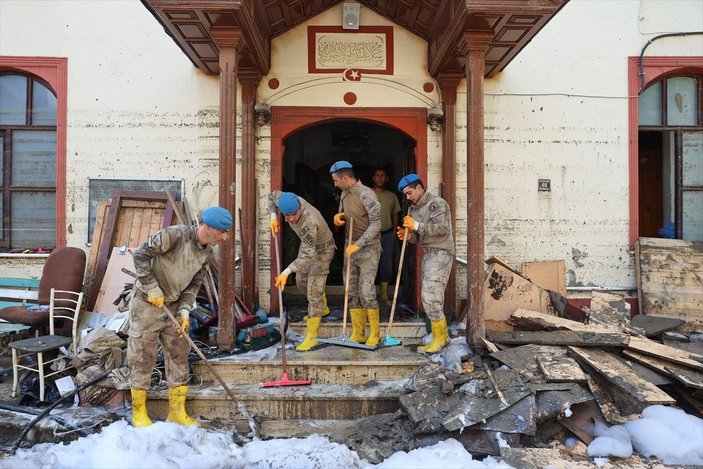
(149, 325)
(436, 267)
(312, 280)
(362, 275)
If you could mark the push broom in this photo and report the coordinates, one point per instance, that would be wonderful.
(284, 375)
(343, 340)
(389, 341)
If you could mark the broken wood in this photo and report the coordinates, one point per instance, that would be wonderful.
(577, 338)
(619, 374)
(533, 320)
(682, 357)
(550, 275)
(670, 278)
(561, 369)
(523, 359)
(655, 325)
(685, 375)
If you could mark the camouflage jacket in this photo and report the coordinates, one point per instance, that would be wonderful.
(173, 260)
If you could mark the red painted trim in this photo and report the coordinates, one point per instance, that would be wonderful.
(654, 69)
(286, 120)
(53, 70)
(386, 31)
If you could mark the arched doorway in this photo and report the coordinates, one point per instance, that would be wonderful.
(306, 141)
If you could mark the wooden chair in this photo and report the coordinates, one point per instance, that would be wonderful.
(64, 305)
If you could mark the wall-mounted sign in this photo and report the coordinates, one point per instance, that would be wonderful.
(332, 49)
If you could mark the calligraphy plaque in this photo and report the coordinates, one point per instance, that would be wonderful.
(332, 49)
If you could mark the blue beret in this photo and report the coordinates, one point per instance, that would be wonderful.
(340, 165)
(407, 179)
(217, 217)
(288, 203)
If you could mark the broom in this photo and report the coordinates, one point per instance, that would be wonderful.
(389, 341)
(284, 374)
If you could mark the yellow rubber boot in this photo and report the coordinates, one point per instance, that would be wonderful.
(440, 337)
(140, 418)
(313, 329)
(358, 320)
(384, 292)
(375, 329)
(325, 307)
(177, 406)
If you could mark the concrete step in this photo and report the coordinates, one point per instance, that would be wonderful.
(333, 328)
(315, 401)
(327, 365)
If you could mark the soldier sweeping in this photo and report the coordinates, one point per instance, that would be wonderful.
(170, 266)
(430, 226)
(360, 203)
(314, 256)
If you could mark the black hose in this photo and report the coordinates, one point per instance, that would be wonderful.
(642, 82)
(46, 411)
(56, 418)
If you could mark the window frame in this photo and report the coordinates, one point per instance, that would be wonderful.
(654, 69)
(51, 71)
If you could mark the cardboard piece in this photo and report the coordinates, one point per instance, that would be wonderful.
(114, 281)
(550, 275)
(505, 291)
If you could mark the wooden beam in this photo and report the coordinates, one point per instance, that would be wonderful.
(579, 338)
(475, 68)
(442, 46)
(227, 40)
(249, 80)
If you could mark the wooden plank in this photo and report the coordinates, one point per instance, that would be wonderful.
(605, 402)
(19, 282)
(534, 320)
(523, 359)
(670, 276)
(619, 374)
(609, 310)
(685, 375)
(561, 369)
(578, 338)
(682, 357)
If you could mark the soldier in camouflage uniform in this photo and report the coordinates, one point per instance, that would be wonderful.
(314, 256)
(430, 225)
(360, 203)
(170, 266)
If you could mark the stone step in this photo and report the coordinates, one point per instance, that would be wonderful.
(327, 365)
(333, 328)
(315, 401)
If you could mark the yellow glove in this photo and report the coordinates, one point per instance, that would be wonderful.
(410, 223)
(339, 219)
(274, 224)
(352, 249)
(156, 297)
(184, 321)
(281, 280)
(401, 233)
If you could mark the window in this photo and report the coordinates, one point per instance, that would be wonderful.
(28, 116)
(670, 153)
